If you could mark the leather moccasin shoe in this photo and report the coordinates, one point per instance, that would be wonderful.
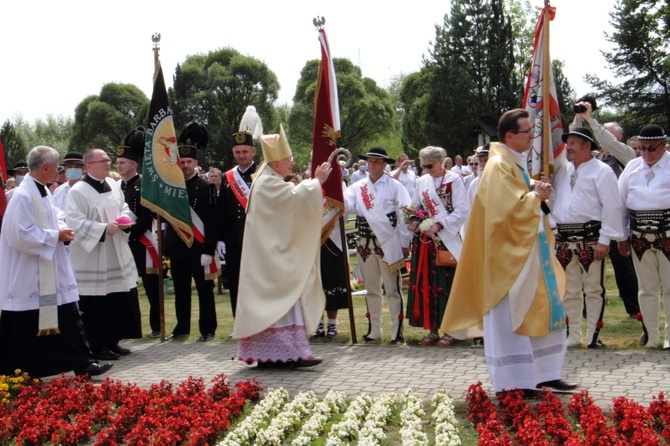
(598, 344)
(122, 351)
(367, 338)
(306, 362)
(558, 384)
(95, 369)
(106, 354)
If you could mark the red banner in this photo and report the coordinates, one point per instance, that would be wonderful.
(325, 134)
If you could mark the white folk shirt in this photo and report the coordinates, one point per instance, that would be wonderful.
(393, 196)
(458, 200)
(588, 193)
(407, 179)
(22, 243)
(639, 191)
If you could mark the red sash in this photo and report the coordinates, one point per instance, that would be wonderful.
(237, 188)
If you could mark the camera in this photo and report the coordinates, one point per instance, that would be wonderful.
(579, 108)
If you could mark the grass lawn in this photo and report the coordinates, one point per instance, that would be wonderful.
(619, 331)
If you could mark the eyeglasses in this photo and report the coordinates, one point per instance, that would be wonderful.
(103, 161)
(474, 164)
(426, 166)
(525, 131)
(649, 148)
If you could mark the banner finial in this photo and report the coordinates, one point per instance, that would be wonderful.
(319, 21)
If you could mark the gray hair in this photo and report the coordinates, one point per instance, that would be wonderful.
(40, 156)
(615, 128)
(433, 154)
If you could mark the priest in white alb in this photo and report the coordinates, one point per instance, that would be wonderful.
(41, 332)
(281, 299)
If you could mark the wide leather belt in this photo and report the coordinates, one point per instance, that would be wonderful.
(650, 222)
(576, 232)
(364, 229)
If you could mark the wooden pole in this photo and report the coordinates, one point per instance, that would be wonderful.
(546, 93)
(350, 302)
(156, 38)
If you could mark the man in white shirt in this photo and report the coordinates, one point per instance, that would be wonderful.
(644, 187)
(383, 240)
(587, 211)
(459, 168)
(404, 173)
(361, 173)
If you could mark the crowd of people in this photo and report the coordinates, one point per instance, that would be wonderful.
(512, 262)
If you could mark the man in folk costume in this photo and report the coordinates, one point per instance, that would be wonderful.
(282, 239)
(232, 201)
(508, 275)
(141, 240)
(585, 205)
(383, 241)
(40, 326)
(644, 189)
(197, 263)
(103, 264)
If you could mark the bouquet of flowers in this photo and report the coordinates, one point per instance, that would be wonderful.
(417, 218)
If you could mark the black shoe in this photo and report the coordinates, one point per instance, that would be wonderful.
(367, 338)
(319, 333)
(94, 369)
(306, 362)
(121, 351)
(558, 384)
(206, 337)
(332, 331)
(478, 341)
(106, 354)
(176, 336)
(155, 334)
(597, 344)
(398, 340)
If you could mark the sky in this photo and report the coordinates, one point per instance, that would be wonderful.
(54, 54)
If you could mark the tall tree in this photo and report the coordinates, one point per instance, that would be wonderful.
(54, 131)
(103, 121)
(14, 146)
(470, 73)
(216, 89)
(366, 110)
(642, 60)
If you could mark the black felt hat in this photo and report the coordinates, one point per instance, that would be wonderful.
(377, 152)
(19, 165)
(193, 137)
(133, 145)
(73, 158)
(582, 132)
(652, 132)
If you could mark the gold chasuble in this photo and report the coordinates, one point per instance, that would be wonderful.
(502, 233)
(280, 254)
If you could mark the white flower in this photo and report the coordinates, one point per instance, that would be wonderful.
(446, 433)
(267, 408)
(347, 428)
(372, 431)
(334, 403)
(411, 419)
(426, 225)
(288, 420)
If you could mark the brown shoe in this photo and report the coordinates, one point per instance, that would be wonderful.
(446, 341)
(431, 339)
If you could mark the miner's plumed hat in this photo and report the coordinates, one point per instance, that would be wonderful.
(133, 145)
(193, 137)
(250, 128)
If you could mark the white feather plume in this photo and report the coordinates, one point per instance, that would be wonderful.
(251, 122)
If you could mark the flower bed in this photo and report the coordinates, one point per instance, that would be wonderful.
(71, 411)
(516, 422)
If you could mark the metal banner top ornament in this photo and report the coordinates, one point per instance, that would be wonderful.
(319, 22)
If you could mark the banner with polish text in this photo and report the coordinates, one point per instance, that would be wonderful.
(534, 102)
(163, 186)
(325, 133)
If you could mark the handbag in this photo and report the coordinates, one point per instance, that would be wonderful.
(445, 258)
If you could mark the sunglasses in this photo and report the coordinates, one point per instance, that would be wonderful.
(427, 166)
(649, 148)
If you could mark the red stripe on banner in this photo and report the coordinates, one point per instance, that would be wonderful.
(3, 165)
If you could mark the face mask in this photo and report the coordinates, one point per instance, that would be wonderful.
(364, 168)
(73, 173)
(19, 178)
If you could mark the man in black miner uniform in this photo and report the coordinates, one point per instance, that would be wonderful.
(232, 204)
(190, 263)
(141, 233)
